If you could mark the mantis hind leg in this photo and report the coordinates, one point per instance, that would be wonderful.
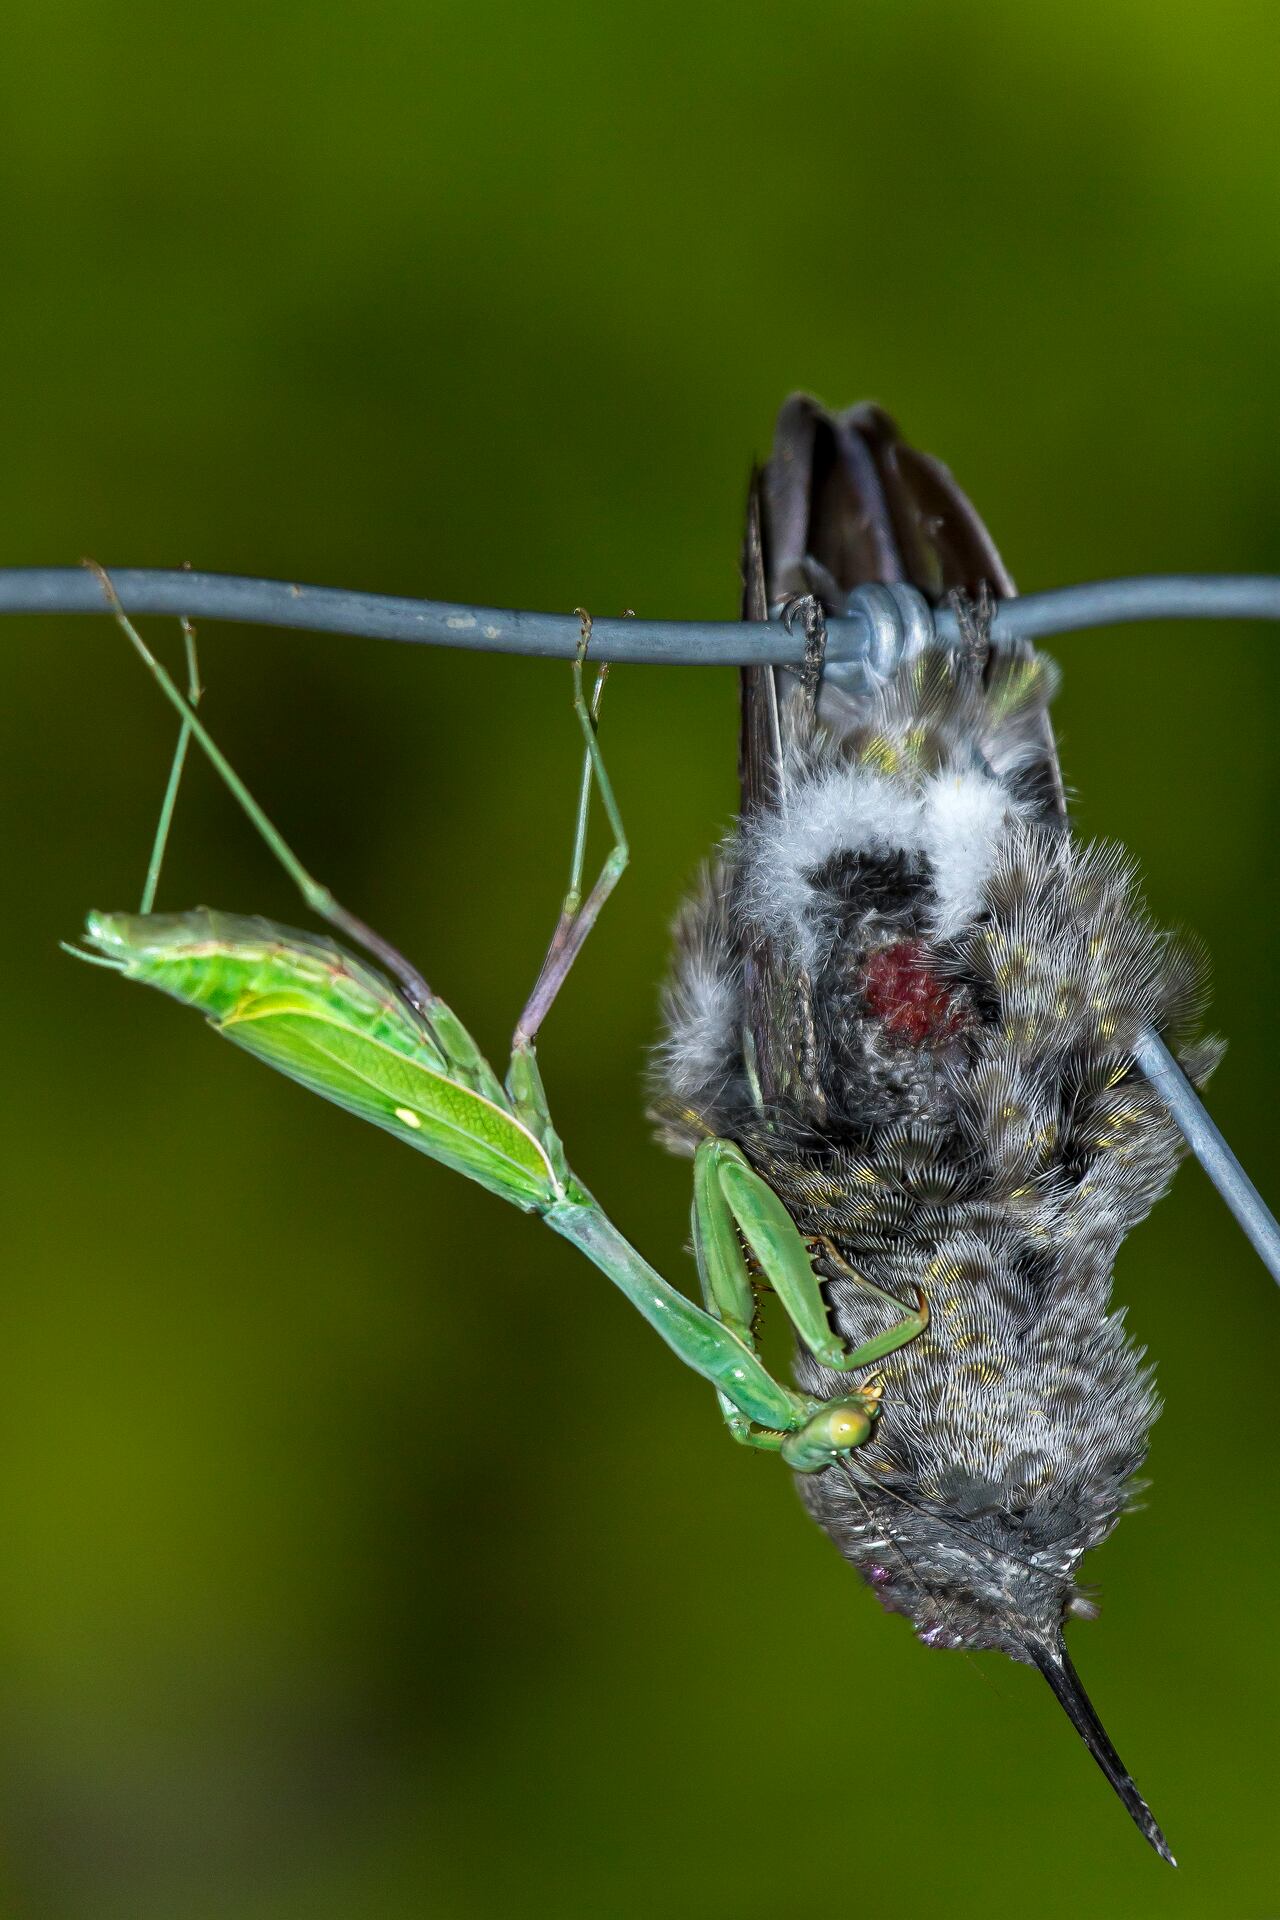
(169, 801)
(317, 897)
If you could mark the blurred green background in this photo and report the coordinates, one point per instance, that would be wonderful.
(461, 300)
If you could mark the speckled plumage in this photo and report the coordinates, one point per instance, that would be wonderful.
(911, 996)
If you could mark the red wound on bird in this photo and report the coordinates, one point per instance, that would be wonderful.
(901, 988)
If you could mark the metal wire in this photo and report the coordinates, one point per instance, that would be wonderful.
(882, 620)
(1206, 1141)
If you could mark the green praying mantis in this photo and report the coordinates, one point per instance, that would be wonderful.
(375, 1040)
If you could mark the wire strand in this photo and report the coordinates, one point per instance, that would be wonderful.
(884, 622)
(881, 620)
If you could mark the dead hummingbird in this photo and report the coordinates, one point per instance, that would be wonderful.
(910, 998)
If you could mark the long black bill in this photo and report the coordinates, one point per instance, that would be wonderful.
(1055, 1664)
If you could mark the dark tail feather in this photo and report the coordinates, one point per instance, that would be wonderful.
(847, 501)
(843, 502)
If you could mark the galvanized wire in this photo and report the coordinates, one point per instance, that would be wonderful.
(881, 619)
(883, 623)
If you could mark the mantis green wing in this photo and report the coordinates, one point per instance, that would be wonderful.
(318, 1015)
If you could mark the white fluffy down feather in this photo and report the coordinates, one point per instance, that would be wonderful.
(958, 820)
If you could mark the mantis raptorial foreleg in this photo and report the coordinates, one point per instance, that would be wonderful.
(733, 1205)
(404, 1062)
(736, 1212)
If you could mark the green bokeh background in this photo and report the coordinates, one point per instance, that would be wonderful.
(362, 1553)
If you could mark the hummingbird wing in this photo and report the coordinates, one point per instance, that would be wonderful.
(760, 744)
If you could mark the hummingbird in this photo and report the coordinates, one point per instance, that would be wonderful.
(911, 997)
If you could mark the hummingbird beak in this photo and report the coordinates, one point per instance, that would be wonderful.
(1055, 1664)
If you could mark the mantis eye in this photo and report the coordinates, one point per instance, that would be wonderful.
(848, 1426)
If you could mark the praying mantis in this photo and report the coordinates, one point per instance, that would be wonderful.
(378, 1042)
(915, 1049)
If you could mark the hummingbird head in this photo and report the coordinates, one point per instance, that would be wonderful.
(970, 1586)
(1054, 1663)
